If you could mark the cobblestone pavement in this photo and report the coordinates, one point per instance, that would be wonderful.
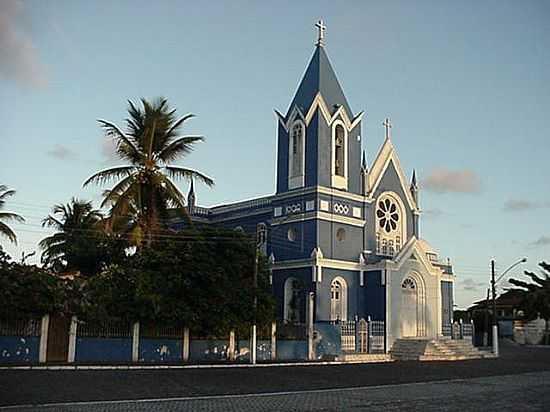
(526, 392)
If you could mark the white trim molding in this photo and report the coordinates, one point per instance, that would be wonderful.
(339, 181)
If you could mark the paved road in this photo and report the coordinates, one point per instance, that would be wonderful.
(19, 387)
(527, 392)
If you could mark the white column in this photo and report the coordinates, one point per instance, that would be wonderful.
(72, 340)
(273, 340)
(231, 349)
(495, 340)
(135, 343)
(44, 326)
(185, 349)
(310, 308)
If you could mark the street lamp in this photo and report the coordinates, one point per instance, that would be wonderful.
(493, 287)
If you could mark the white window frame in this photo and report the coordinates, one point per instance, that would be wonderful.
(343, 315)
(295, 181)
(339, 182)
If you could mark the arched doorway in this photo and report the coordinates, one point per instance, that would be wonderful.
(338, 299)
(409, 306)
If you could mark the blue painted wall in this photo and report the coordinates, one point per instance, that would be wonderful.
(300, 248)
(19, 349)
(322, 299)
(203, 350)
(279, 279)
(291, 350)
(446, 302)
(375, 296)
(328, 340)
(263, 350)
(89, 349)
(160, 350)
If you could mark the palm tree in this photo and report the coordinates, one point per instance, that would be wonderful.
(5, 230)
(536, 296)
(72, 247)
(144, 187)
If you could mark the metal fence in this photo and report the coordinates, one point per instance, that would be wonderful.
(20, 327)
(458, 330)
(363, 336)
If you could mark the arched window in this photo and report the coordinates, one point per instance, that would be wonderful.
(339, 155)
(296, 147)
(390, 224)
(293, 300)
(338, 299)
(339, 145)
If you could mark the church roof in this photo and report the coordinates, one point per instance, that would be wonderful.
(320, 78)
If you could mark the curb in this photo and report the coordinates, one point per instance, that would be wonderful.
(152, 367)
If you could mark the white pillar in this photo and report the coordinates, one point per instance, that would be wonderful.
(495, 340)
(44, 326)
(273, 340)
(231, 349)
(135, 343)
(310, 309)
(185, 349)
(253, 345)
(72, 340)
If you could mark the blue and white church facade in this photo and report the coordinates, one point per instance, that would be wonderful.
(346, 232)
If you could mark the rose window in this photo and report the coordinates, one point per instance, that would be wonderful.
(387, 214)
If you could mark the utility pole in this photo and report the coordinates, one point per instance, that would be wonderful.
(495, 324)
(486, 323)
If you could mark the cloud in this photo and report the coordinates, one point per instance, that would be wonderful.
(541, 241)
(471, 284)
(18, 57)
(456, 181)
(62, 152)
(515, 205)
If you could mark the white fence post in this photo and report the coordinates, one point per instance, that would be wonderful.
(231, 349)
(135, 342)
(253, 345)
(310, 305)
(72, 340)
(44, 326)
(185, 354)
(273, 340)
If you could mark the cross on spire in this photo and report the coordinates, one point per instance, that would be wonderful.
(387, 125)
(321, 36)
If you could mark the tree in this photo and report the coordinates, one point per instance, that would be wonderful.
(79, 243)
(5, 230)
(144, 188)
(536, 296)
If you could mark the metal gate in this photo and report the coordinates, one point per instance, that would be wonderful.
(58, 338)
(348, 335)
(363, 336)
(377, 336)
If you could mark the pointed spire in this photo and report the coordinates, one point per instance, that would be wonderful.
(320, 78)
(414, 187)
(191, 198)
(364, 165)
(413, 180)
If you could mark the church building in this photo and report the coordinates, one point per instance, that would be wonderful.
(337, 228)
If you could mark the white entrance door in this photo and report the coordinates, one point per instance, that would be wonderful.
(409, 308)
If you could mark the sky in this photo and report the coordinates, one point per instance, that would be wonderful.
(466, 84)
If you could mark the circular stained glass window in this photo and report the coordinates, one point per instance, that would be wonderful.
(387, 214)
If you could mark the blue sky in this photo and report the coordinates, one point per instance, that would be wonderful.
(466, 84)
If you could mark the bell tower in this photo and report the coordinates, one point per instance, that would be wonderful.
(319, 138)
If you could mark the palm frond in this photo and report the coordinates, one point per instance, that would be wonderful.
(126, 149)
(108, 174)
(7, 193)
(11, 217)
(182, 172)
(179, 148)
(7, 232)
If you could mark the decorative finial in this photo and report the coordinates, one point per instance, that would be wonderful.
(364, 162)
(321, 36)
(413, 180)
(387, 125)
